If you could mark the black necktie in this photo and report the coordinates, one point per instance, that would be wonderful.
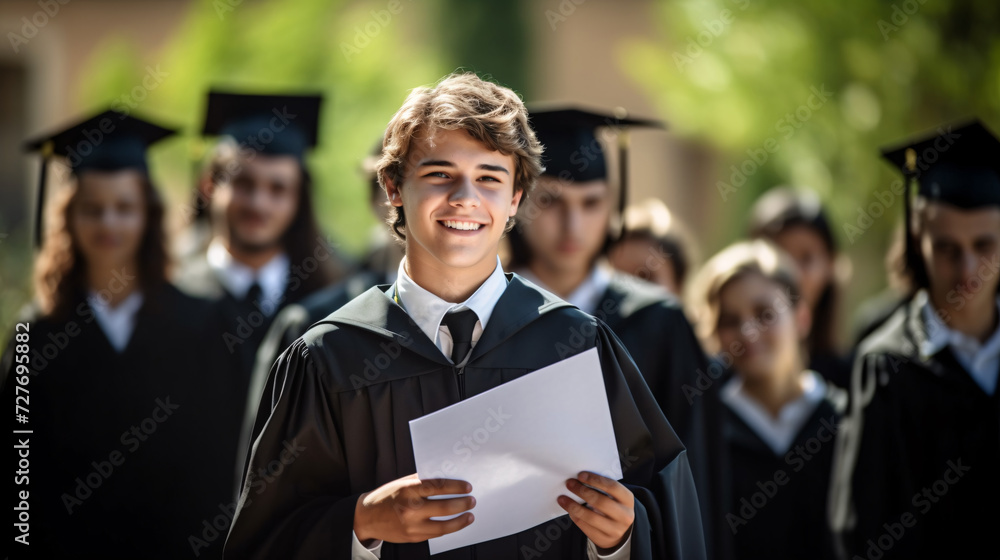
(253, 294)
(460, 324)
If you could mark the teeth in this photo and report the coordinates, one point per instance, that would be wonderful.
(467, 226)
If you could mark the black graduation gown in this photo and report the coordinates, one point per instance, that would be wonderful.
(343, 395)
(127, 451)
(917, 469)
(776, 506)
(289, 324)
(651, 324)
(245, 324)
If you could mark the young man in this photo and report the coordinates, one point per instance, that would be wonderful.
(377, 267)
(560, 243)
(917, 459)
(332, 473)
(266, 250)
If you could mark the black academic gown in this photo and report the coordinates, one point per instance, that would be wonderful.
(776, 505)
(341, 397)
(289, 324)
(917, 468)
(651, 324)
(125, 453)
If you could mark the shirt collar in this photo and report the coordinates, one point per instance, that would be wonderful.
(237, 277)
(778, 433)
(427, 310)
(587, 296)
(940, 335)
(117, 322)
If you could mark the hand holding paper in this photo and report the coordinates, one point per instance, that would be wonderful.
(518, 444)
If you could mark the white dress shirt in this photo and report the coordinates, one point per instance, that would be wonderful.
(427, 311)
(980, 359)
(237, 277)
(778, 433)
(587, 296)
(118, 323)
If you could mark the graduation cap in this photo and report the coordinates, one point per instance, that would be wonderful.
(956, 164)
(108, 141)
(268, 124)
(572, 151)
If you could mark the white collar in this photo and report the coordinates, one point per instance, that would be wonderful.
(427, 310)
(778, 433)
(237, 277)
(587, 296)
(979, 359)
(118, 323)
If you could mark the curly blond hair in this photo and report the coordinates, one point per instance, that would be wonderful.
(490, 113)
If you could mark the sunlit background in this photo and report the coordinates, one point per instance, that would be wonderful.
(757, 94)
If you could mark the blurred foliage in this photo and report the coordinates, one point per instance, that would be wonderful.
(735, 72)
(489, 38)
(364, 57)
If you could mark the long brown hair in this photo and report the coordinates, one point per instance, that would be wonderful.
(60, 269)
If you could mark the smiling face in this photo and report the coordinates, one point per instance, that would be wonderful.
(260, 202)
(457, 196)
(108, 217)
(568, 224)
(960, 252)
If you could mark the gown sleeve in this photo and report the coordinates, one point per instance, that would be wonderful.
(295, 501)
(653, 460)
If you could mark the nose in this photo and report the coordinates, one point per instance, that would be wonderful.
(464, 194)
(968, 265)
(573, 222)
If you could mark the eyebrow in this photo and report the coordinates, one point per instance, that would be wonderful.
(483, 166)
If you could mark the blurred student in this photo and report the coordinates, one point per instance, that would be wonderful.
(780, 417)
(266, 249)
(795, 221)
(560, 242)
(916, 472)
(653, 246)
(457, 160)
(127, 377)
(378, 266)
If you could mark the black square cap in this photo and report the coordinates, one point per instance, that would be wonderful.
(958, 164)
(108, 141)
(268, 124)
(569, 134)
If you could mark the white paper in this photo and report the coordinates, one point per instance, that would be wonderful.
(517, 444)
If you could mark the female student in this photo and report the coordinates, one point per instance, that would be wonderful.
(457, 160)
(128, 392)
(795, 221)
(780, 416)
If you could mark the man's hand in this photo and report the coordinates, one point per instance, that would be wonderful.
(607, 515)
(400, 511)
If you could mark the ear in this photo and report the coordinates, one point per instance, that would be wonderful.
(803, 319)
(515, 202)
(392, 193)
